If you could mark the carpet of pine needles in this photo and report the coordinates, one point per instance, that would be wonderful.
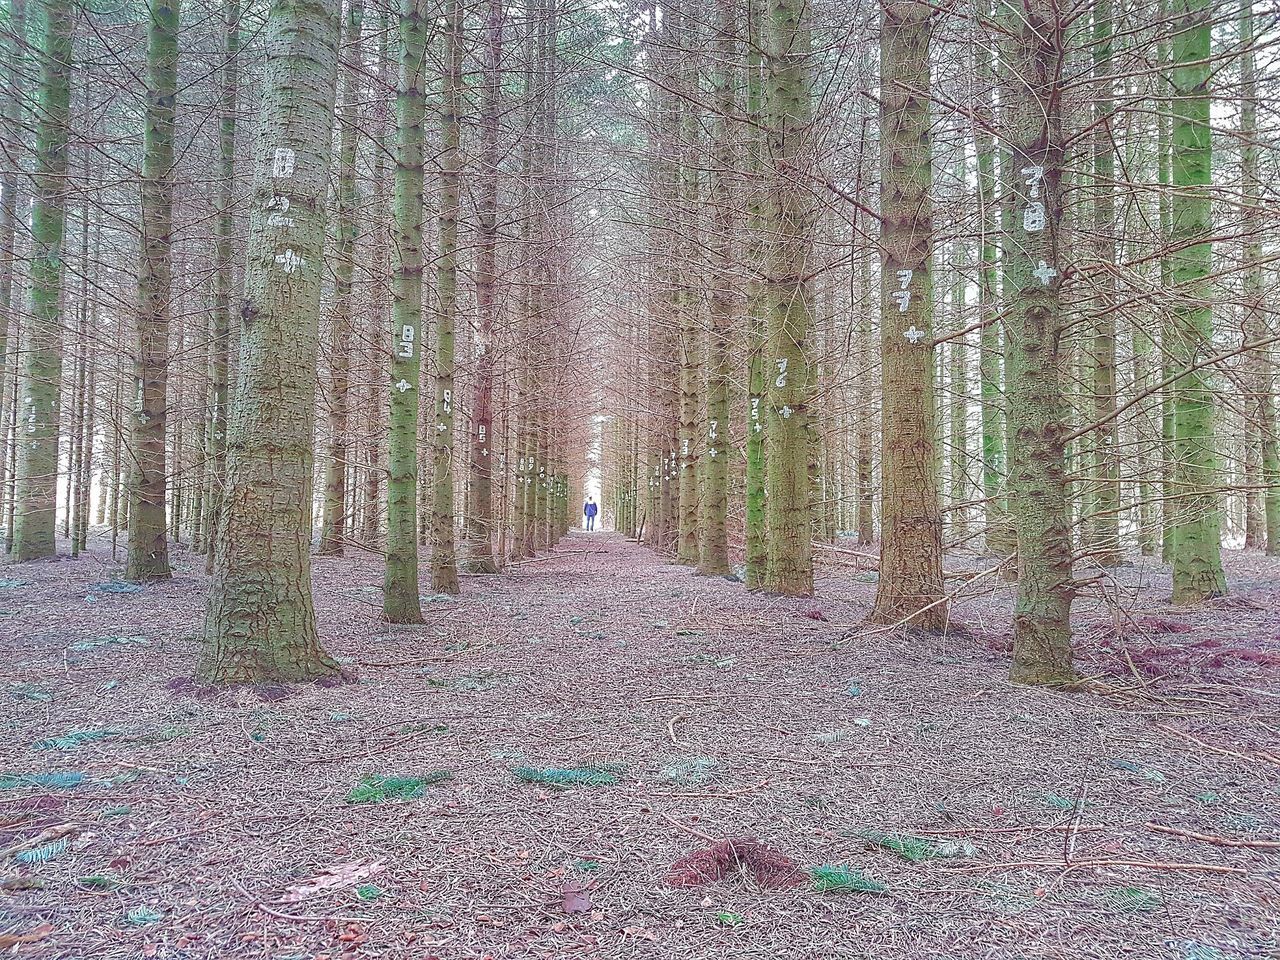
(1138, 816)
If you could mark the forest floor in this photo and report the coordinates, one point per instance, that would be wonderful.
(1139, 817)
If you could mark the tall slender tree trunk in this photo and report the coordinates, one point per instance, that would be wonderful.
(444, 563)
(333, 524)
(13, 142)
(37, 427)
(910, 588)
(1263, 409)
(757, 558)
(400, 602)
(148, 557)
(1038, 411)
(997, 533)
(789, 300)
(224, 236)
(376, 380)
(1104, 526)
(714, 548)
(480, 520)
(260, 622)
(1197, 548)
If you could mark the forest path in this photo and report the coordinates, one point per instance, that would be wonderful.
(718, 712)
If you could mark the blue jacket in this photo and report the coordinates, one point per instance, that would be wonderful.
(590, 509)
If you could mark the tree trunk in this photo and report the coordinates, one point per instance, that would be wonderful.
(13, 142)
(1038, 410)
(444, 563)
(148, 557)
(997, 534)
(333, 524)
(400, 603)
(1197, 549)
(479, 540)
(910, 588)
(36, 430)
(223, 254)
(789, 303)
(260, 622)
(714, 548)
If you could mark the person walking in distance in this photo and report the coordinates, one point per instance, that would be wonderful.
(589, 510)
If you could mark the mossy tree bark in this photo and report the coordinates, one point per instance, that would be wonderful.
(1038, 410)
(333, 521)
(400, 600)
(38, 416)
(148, 557)
(789, 301)
(444, 562)
(260, 621)
(1197, 547)
(910, 588)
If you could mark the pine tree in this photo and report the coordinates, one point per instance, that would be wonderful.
(757, 535)
(789, 303)
(260, 622)
(1256, 327)
(996, 530)
(444, 564)
(400, 602)
(148, 557)
(12, 141)
(221, 323)
(480, 519)
(714, 547)
(910, 588)
(1104, 539)
(1036, 325)
(37, 426)
(1197, 547)
(333, 523)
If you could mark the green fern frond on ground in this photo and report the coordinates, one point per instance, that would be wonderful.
(378, 789)
(41, 854)
(567, 776)
(840, 879)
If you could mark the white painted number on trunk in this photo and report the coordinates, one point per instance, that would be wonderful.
(781, 380)
(1034, 176)
(1033, 218)
(902, 296)
(290, 261)
(407, 336)
(282, 163)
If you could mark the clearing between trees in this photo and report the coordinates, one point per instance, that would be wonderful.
(533, 771)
